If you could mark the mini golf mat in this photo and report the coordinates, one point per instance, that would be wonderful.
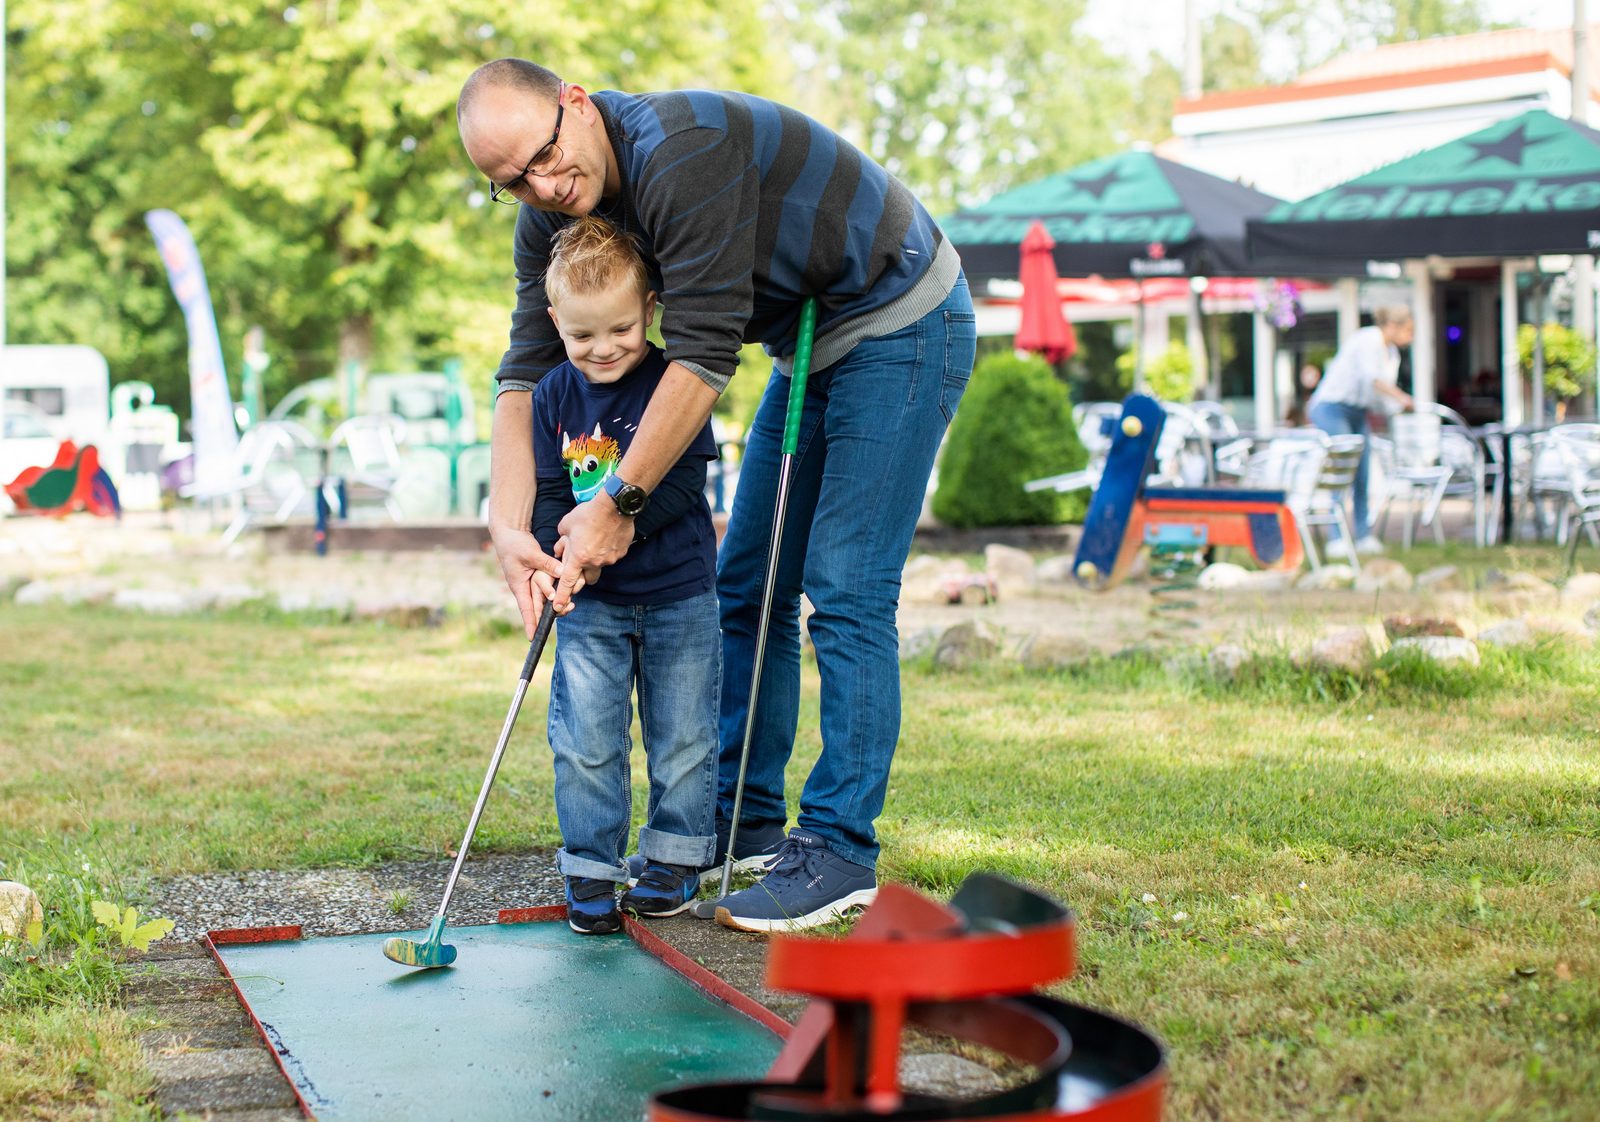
(532, 1022)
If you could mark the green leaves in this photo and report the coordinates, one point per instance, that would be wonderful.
(126, 926)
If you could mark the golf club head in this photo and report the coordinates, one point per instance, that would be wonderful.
(427, 955)
(706, 909)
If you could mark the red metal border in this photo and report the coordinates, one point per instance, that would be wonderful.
(547, 913)
(713, 986)
(238, 935)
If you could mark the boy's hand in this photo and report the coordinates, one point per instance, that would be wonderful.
(522, 563)
(595, 536)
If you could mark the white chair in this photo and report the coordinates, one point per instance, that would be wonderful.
(1435, 457)
(267, 485)
(371, 444)
(1315, 472)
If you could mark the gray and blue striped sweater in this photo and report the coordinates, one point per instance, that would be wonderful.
(744, 207)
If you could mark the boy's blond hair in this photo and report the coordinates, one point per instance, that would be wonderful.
(592, 255)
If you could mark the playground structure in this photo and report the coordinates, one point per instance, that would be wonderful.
(1127, 513)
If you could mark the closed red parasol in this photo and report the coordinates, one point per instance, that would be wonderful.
(1044, 329)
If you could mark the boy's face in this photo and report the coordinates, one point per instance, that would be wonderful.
(604, 331)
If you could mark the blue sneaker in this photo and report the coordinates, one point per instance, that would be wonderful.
(806, 885)
(592, 906)
(662, 890)
(757, 848)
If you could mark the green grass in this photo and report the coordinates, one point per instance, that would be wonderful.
(1332, 896)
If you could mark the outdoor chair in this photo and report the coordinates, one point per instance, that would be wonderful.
(372, 446)
(267, 485)
(1567, 474)
(1315, 471)
(1435, 457)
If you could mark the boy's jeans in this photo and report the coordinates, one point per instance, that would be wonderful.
(673, 654)
(1337, 419)
(868, 435)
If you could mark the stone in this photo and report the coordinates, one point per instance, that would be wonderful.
(970, 588)
(1384, 574)
(1047, 651)
(1511, 633)
(316, 599)
(68, 592)
(1410, 627)
(19, 907)
(1591, 618)
(1010, 570)
(402, 614)
(1329, 576)
(1056, 571)
(1223, 575)
(1348, 648)
(1442, 649)
(923, 579)
(1225, 660)
(1558, 627)
(1518, 581)
(947, 1076)
(1441, 578)
(918, 643)
(157, 601)
(224, 1093)
(226, 596)
(211, 1064)
(966, 643)
(1581, 590)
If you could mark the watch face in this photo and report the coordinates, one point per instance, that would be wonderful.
(630, 500)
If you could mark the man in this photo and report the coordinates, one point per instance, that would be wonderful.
(1359, 378)
(744, 208)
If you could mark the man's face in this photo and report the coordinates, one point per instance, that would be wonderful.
(505, 128)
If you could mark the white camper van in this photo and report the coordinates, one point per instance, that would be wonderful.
(68, 387)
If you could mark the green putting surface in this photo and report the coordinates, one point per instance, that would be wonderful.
(532, 1022)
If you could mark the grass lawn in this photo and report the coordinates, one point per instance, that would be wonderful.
(1331, 897)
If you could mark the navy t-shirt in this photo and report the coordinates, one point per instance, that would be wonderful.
(581, 431)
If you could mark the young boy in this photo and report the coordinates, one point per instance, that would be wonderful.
(648, 622)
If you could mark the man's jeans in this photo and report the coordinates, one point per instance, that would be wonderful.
(673, 654)
(868, 435)
(1337, 419)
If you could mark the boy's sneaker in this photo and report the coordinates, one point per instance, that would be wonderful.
(592, 906)
(757, 848)
(661, 890)
(807, 885)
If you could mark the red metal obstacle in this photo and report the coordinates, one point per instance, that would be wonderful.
(969, 971)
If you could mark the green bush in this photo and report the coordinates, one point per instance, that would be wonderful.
(1168, 374)
(1014, 424)
(1568, 359)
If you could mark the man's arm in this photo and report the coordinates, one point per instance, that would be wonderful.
(512, 488)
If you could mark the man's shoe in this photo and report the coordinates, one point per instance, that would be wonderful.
(592, 906)
(661, 890)
(1339, 547)
(807, 885)
(756, 849)
(1369, 546)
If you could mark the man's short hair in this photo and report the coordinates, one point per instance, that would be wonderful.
(511, 74)
(592, 255)
(1391, 314)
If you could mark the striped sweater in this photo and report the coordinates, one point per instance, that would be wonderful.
(744, 207)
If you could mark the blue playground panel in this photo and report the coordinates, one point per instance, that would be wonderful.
(533, 1022)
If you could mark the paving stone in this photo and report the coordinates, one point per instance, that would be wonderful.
(230, 1092)
(238, 1033)
(193, 969)
(170, 948)
(269, 1115)
(220, 1063)
(197, 1015)
(153, 989)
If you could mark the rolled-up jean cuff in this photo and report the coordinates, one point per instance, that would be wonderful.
(676, 849)
(571, 866)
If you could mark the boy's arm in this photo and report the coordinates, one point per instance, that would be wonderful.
(673, 497)
(553, 502)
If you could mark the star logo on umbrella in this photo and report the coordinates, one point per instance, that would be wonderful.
(1098, 185)
(1509, 147)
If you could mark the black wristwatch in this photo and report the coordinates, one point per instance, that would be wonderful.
(630, 500)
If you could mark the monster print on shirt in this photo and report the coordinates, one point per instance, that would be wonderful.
(590, 460)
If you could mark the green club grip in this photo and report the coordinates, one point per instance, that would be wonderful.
(798, 375)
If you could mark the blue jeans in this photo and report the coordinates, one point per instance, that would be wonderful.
(871, 426)
(673, 655)
(1338, 419)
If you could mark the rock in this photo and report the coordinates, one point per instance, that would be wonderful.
(19, 907)
(1441, 649)
(1225, 660)
(399, 613)
(970, 588)
(330, 599)
(1223, 575)
(1581, 590)
(1517, 582)
(947, 1076)
(1010, 570)
(228, 596)
(1557, 627)
(1051, 652)
(1512, 633)
(1055, 571)
(1349, 649)
(1591, 618)
(923, 579)
(1384, 574)
(918, 643)
(69, 592)
(158, 601)
(1411, 627)
(1441, 578)
(966, 643)
(1329, 576)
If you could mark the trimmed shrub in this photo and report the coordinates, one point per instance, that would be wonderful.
(1014, 424)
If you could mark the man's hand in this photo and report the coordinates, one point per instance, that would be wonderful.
(594, 536)
(529, 571)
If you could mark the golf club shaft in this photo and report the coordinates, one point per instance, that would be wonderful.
(791, 440)
(535, 650)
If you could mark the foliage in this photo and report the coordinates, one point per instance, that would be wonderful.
(1569, 359)
(72, 959)
(126, 927)
(1168, 374)
(1015, 424)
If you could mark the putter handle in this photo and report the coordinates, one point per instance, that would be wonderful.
(541, 633)
(798, 374)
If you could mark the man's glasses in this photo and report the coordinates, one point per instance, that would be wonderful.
(544, 162)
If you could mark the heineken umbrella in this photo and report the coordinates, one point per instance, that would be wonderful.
(1529, 184)
(1129, 215)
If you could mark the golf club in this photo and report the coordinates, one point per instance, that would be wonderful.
(432, 952)
(707, 909)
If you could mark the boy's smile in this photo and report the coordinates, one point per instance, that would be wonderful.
(604, 331)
